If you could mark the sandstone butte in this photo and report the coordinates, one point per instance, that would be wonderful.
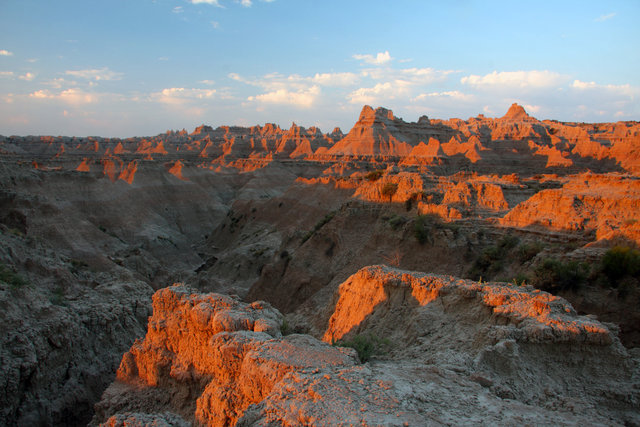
(478, 222)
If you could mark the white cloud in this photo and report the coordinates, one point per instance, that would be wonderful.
(41, 94)
(27, 77)
(177, 9)
(207, 82)
(95, 74)
(211, 2)
(379, 94)
(302, 98)
(5, 52)
(335, 79)
(605, 17)
(244, 3)
(515, 79)
(626, 90)
(180, 95)
(452, 94)
(72, 96)
(215, 24)
(380, 59)
(6, 74)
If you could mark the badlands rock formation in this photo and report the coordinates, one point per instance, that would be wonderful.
(91, 226)
(461, 352)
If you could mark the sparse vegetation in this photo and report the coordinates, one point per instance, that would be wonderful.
(491, 260)
(285, 328)
(389, 189)
(621, 261)
(527, 251)
(554, 275)
(374, 175)
(11, 278)
(328, 217)
(423, 226)
(366, 346)
(397, 221)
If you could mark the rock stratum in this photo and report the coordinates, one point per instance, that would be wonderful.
(462, 352)
(91, 227)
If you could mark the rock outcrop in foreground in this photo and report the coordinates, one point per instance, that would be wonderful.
(460, 352)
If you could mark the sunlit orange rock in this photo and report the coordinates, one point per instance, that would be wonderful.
(228, 353)
(129, 172)
(84, 166)
(176, 170)
(588, 203)
(534, 316)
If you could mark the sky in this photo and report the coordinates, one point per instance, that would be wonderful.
(123, 68)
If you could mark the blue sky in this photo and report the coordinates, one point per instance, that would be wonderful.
(140, 67)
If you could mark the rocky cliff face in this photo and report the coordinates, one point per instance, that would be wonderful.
(213, 360)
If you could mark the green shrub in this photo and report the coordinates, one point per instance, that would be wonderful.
(366, 346)
(11, 278)
(526, 251)
(423, 225)
(491, 260)
(285, 328)
(621, 261)
(397, 221)
(553, 275)
(389, 189)
(374, 175)
(328, 217)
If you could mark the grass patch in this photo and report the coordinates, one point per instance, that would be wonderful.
(366, 346)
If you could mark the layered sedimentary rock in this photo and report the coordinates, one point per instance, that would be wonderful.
(287, 215)
(604, 205)
(213, 360)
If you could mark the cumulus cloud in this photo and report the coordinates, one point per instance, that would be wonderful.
(627, 89)
(95, 74)
(515, 79)
(4, 52)
(381, 93)
(380, 59)
(72, 96)
(302, 98)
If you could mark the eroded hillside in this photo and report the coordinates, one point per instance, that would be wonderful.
(287, 216)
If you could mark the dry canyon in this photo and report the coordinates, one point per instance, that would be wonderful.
(440, 272)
